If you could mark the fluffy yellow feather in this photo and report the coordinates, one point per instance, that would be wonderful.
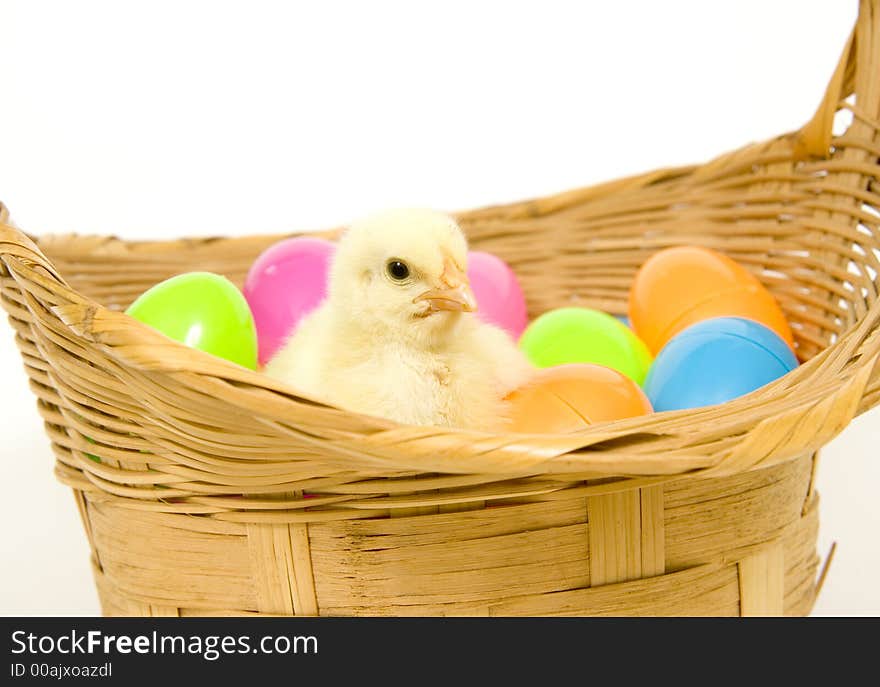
(397, 337)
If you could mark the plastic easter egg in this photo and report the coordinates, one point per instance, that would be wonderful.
(92, 456)
(286, 282)
(681, 286)
(567, 398)
(201, 310)
(582, 335)
(715, 361)
(500, 299)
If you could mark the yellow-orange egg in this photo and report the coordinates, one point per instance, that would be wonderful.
(567, 398)
(681, 286)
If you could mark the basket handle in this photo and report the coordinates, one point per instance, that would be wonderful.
(857, 67)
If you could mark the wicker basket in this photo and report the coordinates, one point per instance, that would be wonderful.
(198, 503)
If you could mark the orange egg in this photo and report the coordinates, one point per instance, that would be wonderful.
(681, 286)
(567, 398)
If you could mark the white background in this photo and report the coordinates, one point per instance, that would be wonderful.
(166, 119)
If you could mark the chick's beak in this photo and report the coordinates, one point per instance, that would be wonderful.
(459, 298)
(454, 295)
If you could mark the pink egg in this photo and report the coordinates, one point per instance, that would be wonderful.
(286, 282)
(499, 297)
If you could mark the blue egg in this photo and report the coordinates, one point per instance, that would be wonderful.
(714, 361)
(625, 320)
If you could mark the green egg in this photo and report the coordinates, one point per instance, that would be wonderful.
(201, 310)
(582, 335)
(91, 456)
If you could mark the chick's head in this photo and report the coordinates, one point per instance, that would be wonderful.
(403, 269)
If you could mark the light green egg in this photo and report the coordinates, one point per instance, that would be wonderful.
(92, 456)
(201, 310)
(583, 335)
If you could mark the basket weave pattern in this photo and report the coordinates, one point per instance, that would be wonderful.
(220, 491)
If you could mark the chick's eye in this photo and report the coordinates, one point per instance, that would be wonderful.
(397, 270)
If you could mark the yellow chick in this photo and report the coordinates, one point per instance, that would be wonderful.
(397, 337)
